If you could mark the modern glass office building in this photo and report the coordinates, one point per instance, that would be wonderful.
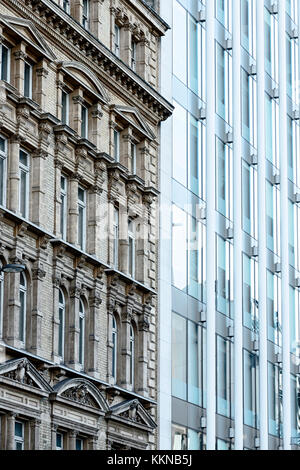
(230, 226)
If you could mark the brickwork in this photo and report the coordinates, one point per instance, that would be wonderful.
(64, 100)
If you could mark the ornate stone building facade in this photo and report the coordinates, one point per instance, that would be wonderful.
(80, 114)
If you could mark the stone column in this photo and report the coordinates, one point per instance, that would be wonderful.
(125, 150)
(125, 43)
(73, 211)
(93, 336)
(142, 164)
(75, 112)
(53, 436)
(38, 275)
(14, 173)
(143, 336)
(125, 349)
(56, 284)
(40, 83)
(72, 440)
(60, 87)
(38, 187)
(35, 434)
(10, 436)
(142, 246)
(123, 239)
(19, 54)
(13, 318)
(95, 17)
(95, 132)
(92, 444)
(73, 333)
(76, 7)
(57, 199)
(143, 51)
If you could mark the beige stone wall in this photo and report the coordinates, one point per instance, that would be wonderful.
(64, 57)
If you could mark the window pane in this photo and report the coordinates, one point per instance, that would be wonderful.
(180, 42)
(249, 389)
(4, 63)
(194, 363)
(179, 362)
(18, 429)
(27, 80)
(179, 239)
(223, 377)
(180, 144)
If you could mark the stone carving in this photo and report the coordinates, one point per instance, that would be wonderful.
(81, 395)
(20, 374)
(132, 414)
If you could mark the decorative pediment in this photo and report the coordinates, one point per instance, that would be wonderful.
(27, 31)
(81, 391)
(86, 78)
(134, 118)
(133, 412)
(22, 371)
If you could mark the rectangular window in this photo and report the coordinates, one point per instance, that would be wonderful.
(271, 44)
(248, 26)
(63, 207)
(196, 156)
(275, 399)
(295, 409)
(223, 376)
(84, 122)
(250, 294)
(224, 179)
(179, 437)
(86, 14)
(81, 218)
(273, 218)
(79, 444)
(27, 80)
(65, 108)
(224, 277)
(193, 43)
(274, 308)
(131, 249)
(180, 43)
(180, 139)
(179, 356)
(251, 374)
(59, 441)
(116, 145)
(24, 183)
(66, 6)
(196, 364)
(116, 238)
(179, 249)
(223, 84)
(294, 299)
(133, 159)
(5, 63)
(81, 338)
(19, 435)
(249, 199)
(3, 170)
(196, 258)
(117, 41)
(133, 55)
(272, 130)
(223, 13)
(249, 113)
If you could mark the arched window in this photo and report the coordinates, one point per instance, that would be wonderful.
(23, 299)
(81, 332)
(1, 300)
(114, 339)
(61, 320)
(131, 347)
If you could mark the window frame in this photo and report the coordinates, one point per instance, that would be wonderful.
(26, 171)
(3, 183)
(86, 14)
(84, 122)
(82, 205)
(81, 336)
(61, 328)
(116, 228)
(114, 340)
(30, 67)
(64, 207)
(18, 439)
(23, 289)
(132, 355)
(65, 108)
(117, 35)
(131, 248)
(8, 69)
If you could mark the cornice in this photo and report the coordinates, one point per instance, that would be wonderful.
(55, 21)
(150, 15)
